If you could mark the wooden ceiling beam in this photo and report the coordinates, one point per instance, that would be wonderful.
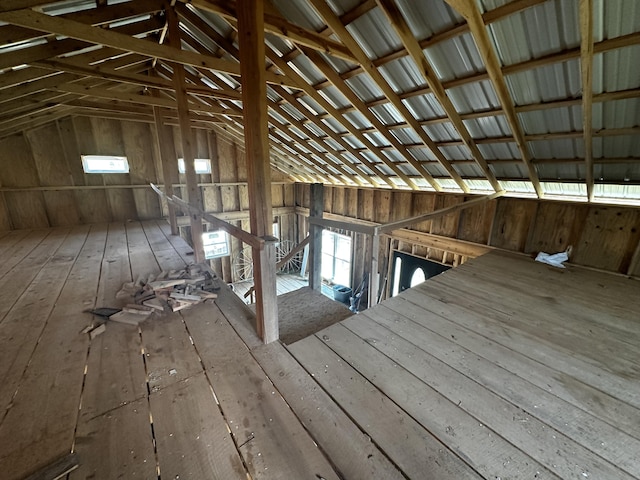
(340, 30)
(469, 10)
(137, 99)
(11, 34)
(132, 78)
(69, 45)
(397, 21)
(586, 73)
(99, 36)
(276, 24)
(228, 46)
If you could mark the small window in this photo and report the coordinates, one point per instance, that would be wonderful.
(216, 244)
(418, 277)
(104, 164)
(202, 165)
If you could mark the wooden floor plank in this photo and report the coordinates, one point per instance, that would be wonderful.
(184, 250)
(270, 439)
(23, 325)
(191, 434)
(611, 375)
(607, 298)
(517, 356)
(163, 249)
(116, 269)
(170, 355)
(350, 450)
(115, 371)
(143, 261)
(16, 280)
(16, 246)
(562, 452)
(578, 316)
(484, 450)
(39, 427)
(117, 444)
(407, 443)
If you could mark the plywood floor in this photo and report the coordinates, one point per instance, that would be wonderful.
(501, 368)
(285, 283)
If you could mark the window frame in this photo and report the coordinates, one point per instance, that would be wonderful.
(87, 159)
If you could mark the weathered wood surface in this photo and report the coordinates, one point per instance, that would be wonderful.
(504, 349)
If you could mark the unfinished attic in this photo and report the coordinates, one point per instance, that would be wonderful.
(297, 239)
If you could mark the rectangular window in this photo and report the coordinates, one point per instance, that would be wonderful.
(336, 258)
(104, 164)
(216, 244)
(202, 165)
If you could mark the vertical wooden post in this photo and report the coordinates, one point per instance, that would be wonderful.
(256, 135)
(194, 196)
(169, 164)
(373, 269)
(315, 232)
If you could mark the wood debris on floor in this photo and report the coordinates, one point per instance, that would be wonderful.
(169, 291)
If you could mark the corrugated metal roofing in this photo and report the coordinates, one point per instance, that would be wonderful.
(533, 32)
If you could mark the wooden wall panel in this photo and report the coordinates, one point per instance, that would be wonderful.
(401, 206)
(365, 204)
(337, 203)
(137, 137)
(5, 219)
(446, 225)
(226, 161)
(328, 198)
(512, 223)
(475, 222)
(27, 210)
(18, 169)
(51, 165)
(423, 203)
(382, 205)
(609, 238)
(557, 226)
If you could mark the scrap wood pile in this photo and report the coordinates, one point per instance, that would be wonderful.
(169, 291)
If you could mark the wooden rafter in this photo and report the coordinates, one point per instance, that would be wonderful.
(277, 25)
(314, 94)
(348, 127)
(341, 31)
(426, 70)
(469, 10)
(99, 36)
(326, 155)
(586, 70)
(55, 48)
(333, 135)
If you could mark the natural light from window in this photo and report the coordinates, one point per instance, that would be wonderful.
(104, 164)
(202, 165)
(336, 258)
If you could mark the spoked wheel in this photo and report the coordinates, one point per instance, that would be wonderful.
(242, 265)
(292, 265)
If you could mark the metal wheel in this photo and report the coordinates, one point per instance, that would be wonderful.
(242, 265)
(294, 264)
